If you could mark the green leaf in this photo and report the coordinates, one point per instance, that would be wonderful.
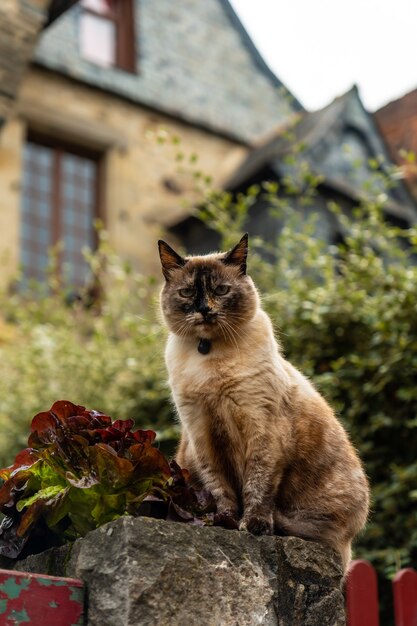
(48, 493)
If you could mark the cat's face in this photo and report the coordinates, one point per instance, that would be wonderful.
(207, 297)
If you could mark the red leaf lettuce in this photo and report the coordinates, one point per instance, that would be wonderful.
(81, 470)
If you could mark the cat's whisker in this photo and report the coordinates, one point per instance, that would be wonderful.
(183, 329)
(223, 332)
(236, 335)
(226, 319)
(180, 326)
(231, 334)
(239, 320)
(236, 316)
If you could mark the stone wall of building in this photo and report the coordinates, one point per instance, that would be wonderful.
(194, 61)
(20, 25)
(11, 138)
(143, 188)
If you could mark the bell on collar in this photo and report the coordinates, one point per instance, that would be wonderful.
(204, 346)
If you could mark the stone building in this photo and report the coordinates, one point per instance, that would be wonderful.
(342, 145)
(105, 105)
(82, 121)
(21, 22)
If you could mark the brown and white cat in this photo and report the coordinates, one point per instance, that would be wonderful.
(255, 431)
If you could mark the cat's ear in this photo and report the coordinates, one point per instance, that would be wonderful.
(170, 260)
(238, 255)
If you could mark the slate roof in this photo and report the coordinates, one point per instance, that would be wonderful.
(56, 9)
(338, 142)
(195, 62)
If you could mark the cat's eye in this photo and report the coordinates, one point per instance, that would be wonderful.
(187, 292)
(222, 290)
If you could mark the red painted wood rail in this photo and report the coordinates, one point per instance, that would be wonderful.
(40, 600)
(361, 595)
(405, 597)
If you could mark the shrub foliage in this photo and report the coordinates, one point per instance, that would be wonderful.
(346, 316)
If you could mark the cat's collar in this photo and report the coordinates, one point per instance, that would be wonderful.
(204, 346)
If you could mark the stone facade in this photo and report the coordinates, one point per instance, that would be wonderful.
(199, 78)
(20, 24)
(11, 139)
(156, 573)
(143, 188)
(194, 61)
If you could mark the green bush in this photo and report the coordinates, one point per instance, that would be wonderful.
(108, 356)
(346, 315)
(352, 327)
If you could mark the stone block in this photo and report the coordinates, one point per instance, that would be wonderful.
(146, 572)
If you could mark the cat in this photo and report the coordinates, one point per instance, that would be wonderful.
(254, 430)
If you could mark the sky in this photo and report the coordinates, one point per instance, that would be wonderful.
(320, 48)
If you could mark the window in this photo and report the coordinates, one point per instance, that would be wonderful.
(107, 33)
(59, 205)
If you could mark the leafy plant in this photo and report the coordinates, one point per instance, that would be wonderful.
(81, 470)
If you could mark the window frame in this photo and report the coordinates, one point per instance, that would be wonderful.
(122, 14)
(61, 147)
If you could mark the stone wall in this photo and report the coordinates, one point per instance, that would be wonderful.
(20, 24)
(199, 77)
(142, 188)
(194, 61)
(145, 572)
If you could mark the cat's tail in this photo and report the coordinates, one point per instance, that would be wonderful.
(320, 529)
(299, 524)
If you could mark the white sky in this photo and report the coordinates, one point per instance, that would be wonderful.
(320, 48)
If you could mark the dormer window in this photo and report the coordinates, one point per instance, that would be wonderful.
(107, 33)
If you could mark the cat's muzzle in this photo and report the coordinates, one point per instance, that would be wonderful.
(206, 319)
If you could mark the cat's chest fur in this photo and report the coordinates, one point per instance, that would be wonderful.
(227, 381)
(192, 373)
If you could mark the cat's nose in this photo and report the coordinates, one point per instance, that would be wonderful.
(204, 309)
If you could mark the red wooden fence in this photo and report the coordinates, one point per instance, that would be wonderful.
(362, 596)
(40, 600)
(405, 598)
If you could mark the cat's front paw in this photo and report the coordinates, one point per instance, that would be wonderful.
(228, 511)
(258, 524)
(227, 507)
